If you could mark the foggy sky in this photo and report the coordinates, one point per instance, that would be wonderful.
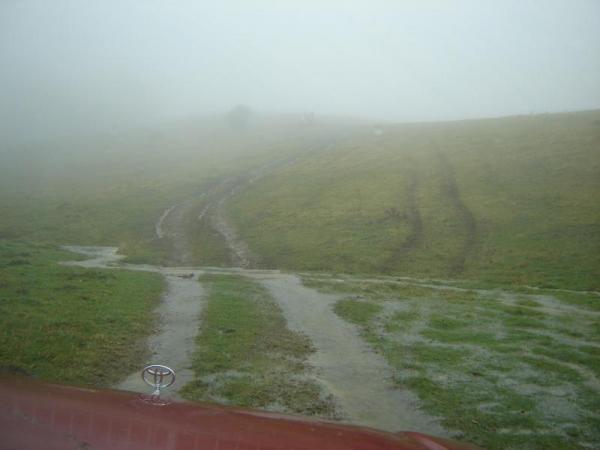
(69, 66)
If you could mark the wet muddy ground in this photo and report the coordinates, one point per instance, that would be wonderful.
(508, 369)
(465, 354)
(173, 343)
(359, 380)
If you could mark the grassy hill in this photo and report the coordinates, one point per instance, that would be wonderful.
(504, 201)
(111, 189)
(509, 201)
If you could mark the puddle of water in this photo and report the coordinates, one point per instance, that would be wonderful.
(99, 257)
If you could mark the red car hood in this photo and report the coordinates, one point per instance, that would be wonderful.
(37, 415)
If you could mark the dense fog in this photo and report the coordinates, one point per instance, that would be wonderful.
(70, 67)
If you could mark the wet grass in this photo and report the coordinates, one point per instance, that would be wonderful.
(246, 355)
(69, 324)
(357, 312)
(502, 371)
(120, 214)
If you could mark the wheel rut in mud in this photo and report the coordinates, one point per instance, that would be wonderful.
(359, 379)
(450, 189)
(172, 227)
(415, 237)
(173, 345)
(209, 209)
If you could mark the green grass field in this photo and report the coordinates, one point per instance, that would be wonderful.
(69, 324)
(247, 356)
(498, 215)
(506, 201)
(504, 369)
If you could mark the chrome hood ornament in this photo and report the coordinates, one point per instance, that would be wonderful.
(159, 377)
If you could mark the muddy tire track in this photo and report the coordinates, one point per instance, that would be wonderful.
(173, 342)
(159, 230)
(173, 224)
(359, 379)
(413, 216)
(240, 253)
(450, 190)
(172, 228)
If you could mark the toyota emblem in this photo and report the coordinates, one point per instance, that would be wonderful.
(159, 377)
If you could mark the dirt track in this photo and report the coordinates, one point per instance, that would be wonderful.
(209, 208)
(171, 226)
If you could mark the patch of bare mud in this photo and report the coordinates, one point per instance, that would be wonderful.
(240, 253)
(172, 226)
